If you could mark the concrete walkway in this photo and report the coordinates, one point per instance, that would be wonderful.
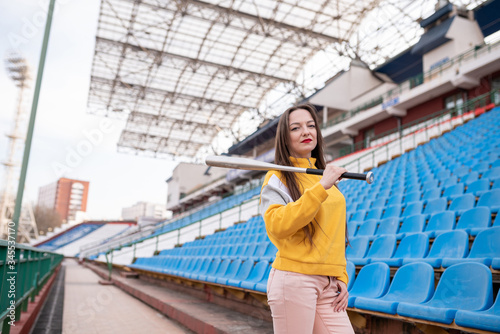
(92, 308)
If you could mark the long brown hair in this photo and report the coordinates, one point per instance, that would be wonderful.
(282, 156)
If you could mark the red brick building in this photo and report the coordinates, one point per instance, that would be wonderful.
(66, 196)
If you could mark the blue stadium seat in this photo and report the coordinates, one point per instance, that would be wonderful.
(491, 174)
(443, 174)
(202, 269)
(435, 206)
(429, 184)
(378, 203)
(195, 266)
(365, 205)
(411, 224)
(469, 178)
(413, 208)
(484, 249)
(270, 253)
(464, 286)
(374, 213)
(372, 282)
(440, 222)
(412, 283)
(462, 203)
(461, 171)
(381, 247)
(474, 220)
(262, 284)
(449, 182)
(413, 196)
(397, 189)
(479, 187)
(431, 194)
(392, 211)
(454, 191)
(210, 271)
(351, 274)
(451, 244)
(367, 228)
(387, 226)
(352, 228)
(256, 275)
(259, 251)
(490, 199)
(220, 272)
(358, 216)
(357, 248)
(242, 274)
(412, 246)
(395, 200)
(488, 320)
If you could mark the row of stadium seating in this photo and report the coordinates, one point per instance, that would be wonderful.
(211, 210)
(73, 234)
(464, 293)
(472, 220)
(230, 258)
(447, 249)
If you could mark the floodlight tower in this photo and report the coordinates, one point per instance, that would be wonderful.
(18, 71)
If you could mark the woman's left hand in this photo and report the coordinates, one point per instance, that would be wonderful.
(340, 302)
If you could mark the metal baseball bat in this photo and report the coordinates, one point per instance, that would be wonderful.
(250, 164)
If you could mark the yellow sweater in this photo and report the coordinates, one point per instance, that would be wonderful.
(285, 219)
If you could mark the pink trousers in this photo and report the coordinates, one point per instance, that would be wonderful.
(302, 304)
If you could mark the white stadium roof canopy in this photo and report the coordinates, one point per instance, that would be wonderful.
(187, 74)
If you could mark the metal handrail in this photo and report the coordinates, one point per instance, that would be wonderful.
(25, 270)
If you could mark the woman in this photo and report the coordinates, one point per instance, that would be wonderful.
(305, 218)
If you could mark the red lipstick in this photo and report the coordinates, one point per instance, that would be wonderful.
(306, 141)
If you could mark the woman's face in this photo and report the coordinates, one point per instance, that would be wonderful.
(302, 131)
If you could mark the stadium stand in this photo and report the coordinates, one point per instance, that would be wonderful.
(69, 241)
(434, 235)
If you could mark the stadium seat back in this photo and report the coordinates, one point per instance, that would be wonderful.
(372, 282)
(367, 228)
(392, 211)
(413, 224)
(462, 203)
(357, 247)
(413, 246)
(454, 288)
(490, 199)
(441, 221)
(388, 226)
(479, 217)
(452, 244)
(486, 244)
(382, 247)
(412, 283)
(413, 208)
(435, 205)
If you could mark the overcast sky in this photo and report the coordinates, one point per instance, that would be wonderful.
(67, 140)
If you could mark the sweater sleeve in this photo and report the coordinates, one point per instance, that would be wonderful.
(282, 216)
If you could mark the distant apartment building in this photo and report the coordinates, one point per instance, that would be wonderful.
(65, 196)
(143, 211)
